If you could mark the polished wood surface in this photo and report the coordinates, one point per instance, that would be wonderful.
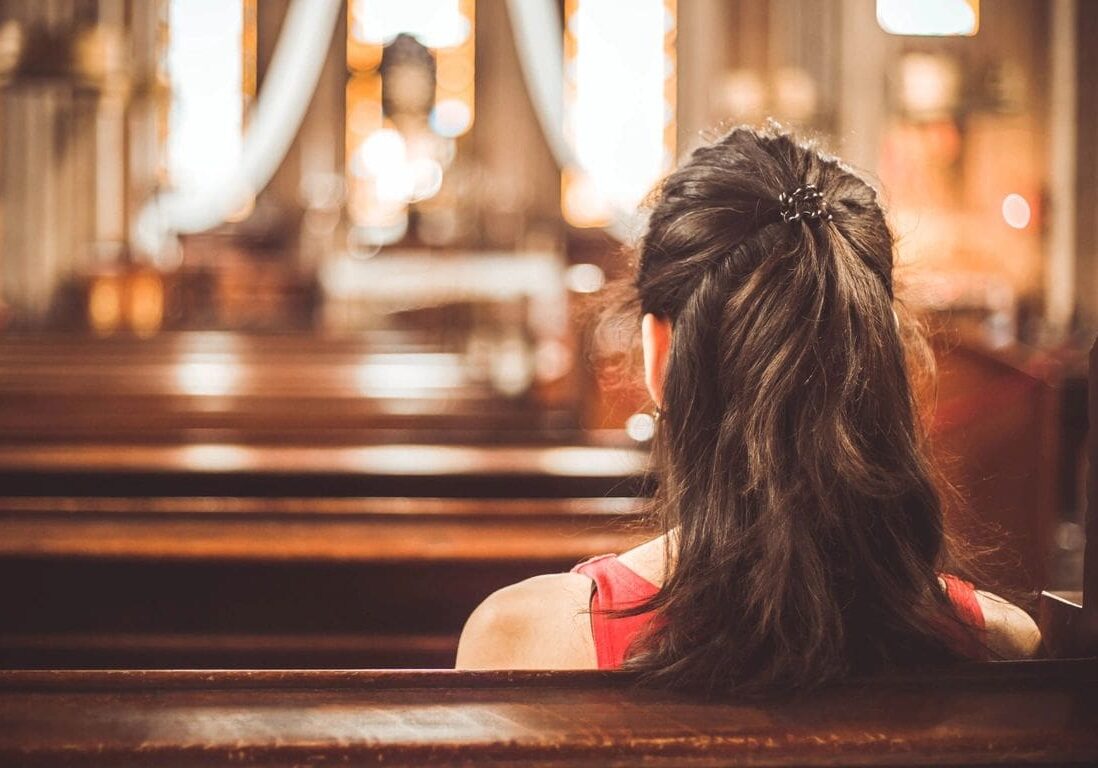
(326, 553)
(319, 470)
(1088, 636)
(195, 386)
(371, 530)
(996, 432)
(267, 582)
(1036, 713)
(80, 426)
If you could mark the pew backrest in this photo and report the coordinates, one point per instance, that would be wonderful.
(1026, 713)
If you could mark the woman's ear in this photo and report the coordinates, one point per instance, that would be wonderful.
(656, 344)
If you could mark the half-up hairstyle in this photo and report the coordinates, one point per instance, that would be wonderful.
(805, 530)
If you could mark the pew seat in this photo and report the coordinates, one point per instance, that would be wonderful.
(1017, 713)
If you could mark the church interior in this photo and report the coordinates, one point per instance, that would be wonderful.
(306, 348)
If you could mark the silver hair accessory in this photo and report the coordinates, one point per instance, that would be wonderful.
(803, 203)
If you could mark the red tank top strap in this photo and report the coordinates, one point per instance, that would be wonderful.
(616, 587)
(962, 594)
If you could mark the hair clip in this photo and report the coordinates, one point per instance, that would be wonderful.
(803, 202)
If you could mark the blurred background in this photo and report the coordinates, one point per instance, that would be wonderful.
(295, 296)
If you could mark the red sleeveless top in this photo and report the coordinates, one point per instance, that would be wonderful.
(616, 586)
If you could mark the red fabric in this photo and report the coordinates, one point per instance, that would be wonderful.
(963, 596)
(617, 586)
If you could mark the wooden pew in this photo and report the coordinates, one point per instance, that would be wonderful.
(1006, 427)
(1087, 634)
(196, 386)
(275, 582)
(90, 525)
(126, 412)
(1069, 620)
(265, 555)
(1024, 713)
(1009, 714)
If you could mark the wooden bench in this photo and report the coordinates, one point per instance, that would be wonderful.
(262, 555)
(223, 555)
(1018, 713)
(1009, 714)
(1069, 620)
(199, 414)
(275, 582)
(193, 387)
(1009, 429)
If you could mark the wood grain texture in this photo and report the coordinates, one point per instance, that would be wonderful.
(266, 582)
(207, 469)
(1036, 713)
(194, 385)
(334, 530)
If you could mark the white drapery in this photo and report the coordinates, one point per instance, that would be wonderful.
(276, 117)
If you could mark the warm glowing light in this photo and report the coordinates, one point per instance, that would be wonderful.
(930, 84)
(583, 461)
(929, 17)
(619, 103)
(382, 161)
(415, 459)
(640, 427)
(451, 118)
(205, 64)
(552, 360)
(1016, 211)
(455, 81)
(389, 169)
(216, 458)
(404, 377)
(207, 377)
(105, 304)
(382, 151)
(145, 304)
(426, 178)
(742, 93)
(584, 278)
(581, 201)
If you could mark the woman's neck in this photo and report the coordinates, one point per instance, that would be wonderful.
(649, 560)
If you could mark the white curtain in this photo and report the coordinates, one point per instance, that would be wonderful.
(276, 117)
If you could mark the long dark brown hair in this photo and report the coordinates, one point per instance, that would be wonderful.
(804, 521)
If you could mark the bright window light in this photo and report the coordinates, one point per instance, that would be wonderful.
(205, 63)
(929, 17)
(208, 377)
(619, 103)
(435, 23)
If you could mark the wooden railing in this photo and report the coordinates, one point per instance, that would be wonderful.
(1009, 714)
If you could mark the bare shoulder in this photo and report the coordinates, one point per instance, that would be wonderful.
(1011, 632)
(539, 623)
